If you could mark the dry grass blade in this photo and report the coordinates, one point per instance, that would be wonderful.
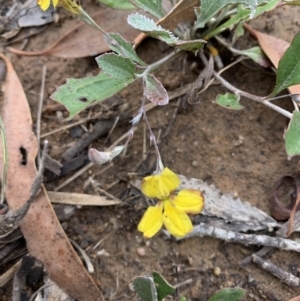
(83, 40)
(80, 199)
(45, 238)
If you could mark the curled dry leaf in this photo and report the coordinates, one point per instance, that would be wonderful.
(274, 48)
(46, 240)
(83, 40)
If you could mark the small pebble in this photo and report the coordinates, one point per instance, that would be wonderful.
(217, 271)
(148, 243)
(141, 251)
(195, 143)
(194, 163)
(230, 283)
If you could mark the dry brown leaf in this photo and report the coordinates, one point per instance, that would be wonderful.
(83, 40)
(46, 240)
(274, 48)
(80, 199)
(183, 11)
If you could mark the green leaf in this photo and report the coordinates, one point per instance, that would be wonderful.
(238, 31)
(296, 2)
(292, 136)
(153, 7)
(116, 66)
(78, 94)
(118, 4)
(148, 26)
(155, 91)
(118, 44)
(229, 101)
(242, 14)
(209, 9)
(288, 73)
(193, 45)
(145, 288)
(257, 55)
(163, 288)
(228, 294)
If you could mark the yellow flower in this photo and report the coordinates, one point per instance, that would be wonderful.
(172, 212)
(160, 186)
(69, 5)
(44, 4)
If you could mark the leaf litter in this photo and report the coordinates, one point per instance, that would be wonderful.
(49, 244)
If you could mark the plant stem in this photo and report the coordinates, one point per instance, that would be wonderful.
(237, 91)
(157, 64)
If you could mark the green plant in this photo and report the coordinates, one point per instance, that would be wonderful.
(155, 288)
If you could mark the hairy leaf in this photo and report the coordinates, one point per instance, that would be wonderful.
(229, 101)
(209, 9)
(163, 288)
(292, 136)
(116, 66)
(257, 55)
(118, 4)
(118, 44)
(148, 26)
(78, 94)
(193, 45)
(289, 67)
(153, 7)
(155, 91)
(145, 288)
(243, 14)
(228, 294)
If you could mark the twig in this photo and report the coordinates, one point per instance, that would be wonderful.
(188, 281)
(5, 277)
(256, 98)
(39, 113)
(284, 276)
(172, 119)
(247, 239)
(79, 173)
(281, 233)
(85, 257)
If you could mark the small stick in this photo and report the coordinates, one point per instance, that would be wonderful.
(39, 113)
(172, 119)
(280, 232)
(272, 268)
(247, 239)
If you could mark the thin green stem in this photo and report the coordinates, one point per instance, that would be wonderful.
(159, 63)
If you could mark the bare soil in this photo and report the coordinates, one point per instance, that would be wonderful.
(238, 151)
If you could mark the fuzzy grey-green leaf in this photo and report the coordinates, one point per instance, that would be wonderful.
(155, 91)
(148, 26)
(228, 294)
(78, 94)
(153, 7)
(163, 288)
(145, 288)
(118, 44)
(292, 136)
(209, 8)
(118, 4)
(288, 73)
(229, 101)
(116, 66)
(193, 45)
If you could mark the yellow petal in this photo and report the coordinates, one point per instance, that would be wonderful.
(44, 4)
(160, 186)
(176, 221)
(55, 2)
(152, 221)
(189, 201)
